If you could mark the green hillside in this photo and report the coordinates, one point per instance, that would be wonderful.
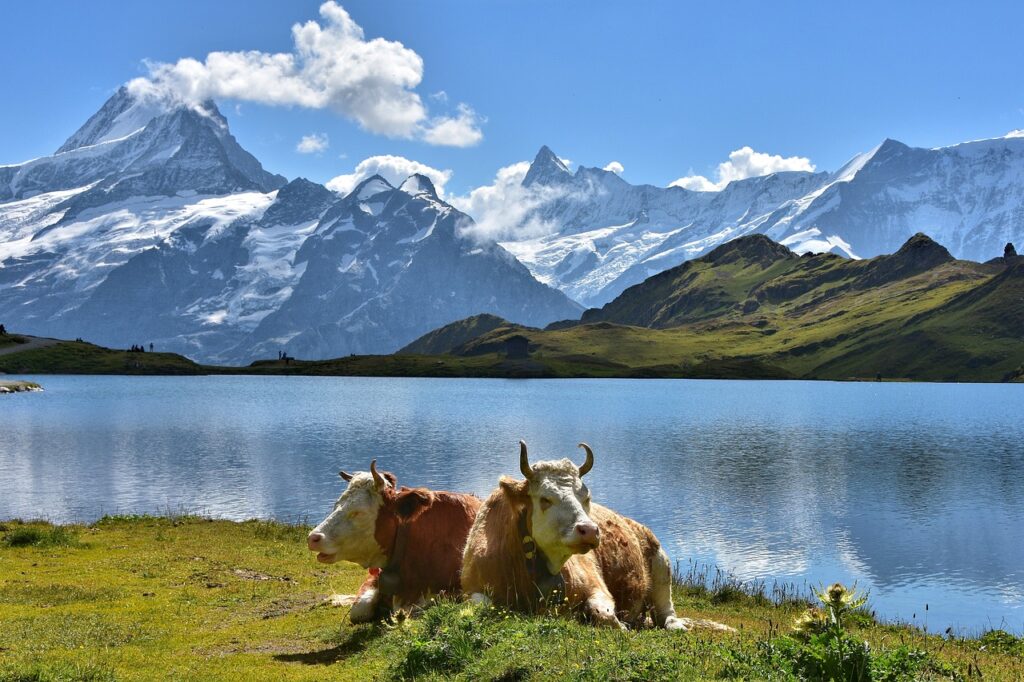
(753, 308)
(449, 337)
(80, 357)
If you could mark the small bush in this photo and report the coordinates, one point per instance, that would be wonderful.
(452, 638)
(35, 536)
(1003, 642)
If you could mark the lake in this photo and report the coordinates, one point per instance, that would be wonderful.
(916, 491)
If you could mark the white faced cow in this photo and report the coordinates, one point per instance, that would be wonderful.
(411, 539)
(541, 540)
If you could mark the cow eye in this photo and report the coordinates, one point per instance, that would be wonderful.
(545, 503)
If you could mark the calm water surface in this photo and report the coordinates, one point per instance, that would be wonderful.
(914, 490)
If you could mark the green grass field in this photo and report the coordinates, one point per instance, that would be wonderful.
(186, 598)
(78, 357)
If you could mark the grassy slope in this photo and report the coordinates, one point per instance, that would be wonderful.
(11, 340)
(815, 317)
(76, 357)
(453, 335)
(147, 598)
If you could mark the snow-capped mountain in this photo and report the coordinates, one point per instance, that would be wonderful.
(152, 225)
(141, 147)
(609, 234)
(387, 264)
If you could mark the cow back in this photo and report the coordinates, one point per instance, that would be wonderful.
(435, 540)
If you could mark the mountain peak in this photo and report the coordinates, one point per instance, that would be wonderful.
(755, 247)
(546, 169)
(121, 115)
(375, 184)
(918, 254)
(921, 247)
(417, 183)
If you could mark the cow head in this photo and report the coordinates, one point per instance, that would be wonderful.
(559, 506)
(349, 531)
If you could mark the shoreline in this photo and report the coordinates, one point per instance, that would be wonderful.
(699, 577)
(19, 386)
(163, 594)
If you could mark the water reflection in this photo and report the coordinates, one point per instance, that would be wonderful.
(914, 490)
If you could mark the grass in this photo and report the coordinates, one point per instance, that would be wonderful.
(142, 598)
(12, 340)
(79, 357)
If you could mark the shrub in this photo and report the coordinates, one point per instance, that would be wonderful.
(34, 536)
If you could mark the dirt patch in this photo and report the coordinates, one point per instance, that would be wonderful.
(249, 574)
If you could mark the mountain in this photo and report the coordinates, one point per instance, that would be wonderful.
(151, 224)
(754, 308)
(141, 147)
(386, 265)
(448, 338)
(607, 234)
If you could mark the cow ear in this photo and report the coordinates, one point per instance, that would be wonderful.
(412, 502)
(345, 475)
(390, 478)
(516, 491)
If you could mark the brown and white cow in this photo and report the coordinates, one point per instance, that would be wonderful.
(411, 539)
(542, 540)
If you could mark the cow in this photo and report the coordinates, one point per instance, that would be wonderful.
(541, 544)
(411, 539)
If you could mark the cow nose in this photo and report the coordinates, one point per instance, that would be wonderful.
(588, 533)
(313, 541)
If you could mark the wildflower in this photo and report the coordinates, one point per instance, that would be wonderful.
(839, 601)
(809, 622)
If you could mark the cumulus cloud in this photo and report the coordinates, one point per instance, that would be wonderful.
(615, 167)
(332, 66)
(315, 143)
(394, 169)
(461, 130)
(744, 163)
(505, 209)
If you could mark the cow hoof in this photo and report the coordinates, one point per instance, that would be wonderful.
(674, 623)
(340, 600)
(365, 608)
(700, 624)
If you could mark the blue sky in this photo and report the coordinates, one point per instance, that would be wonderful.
(664, 88)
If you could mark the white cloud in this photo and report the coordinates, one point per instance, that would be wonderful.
(314, 143)
(505, 209)
(462, 130)
(332, 66)
(394, 169)
(615, 167)
(744, 163)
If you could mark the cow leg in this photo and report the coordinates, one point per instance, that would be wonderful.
(601, 608)
(364, 610)
(661, 594)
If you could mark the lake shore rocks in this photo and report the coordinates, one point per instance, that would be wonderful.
(18, 386)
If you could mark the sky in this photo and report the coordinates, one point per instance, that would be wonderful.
(661, 92)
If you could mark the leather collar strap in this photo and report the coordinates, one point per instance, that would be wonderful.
(550, 587)
(389, 582)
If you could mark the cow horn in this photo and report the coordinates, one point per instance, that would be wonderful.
(590, 460)
(524, 461)
(345, 475)
(377, 478)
